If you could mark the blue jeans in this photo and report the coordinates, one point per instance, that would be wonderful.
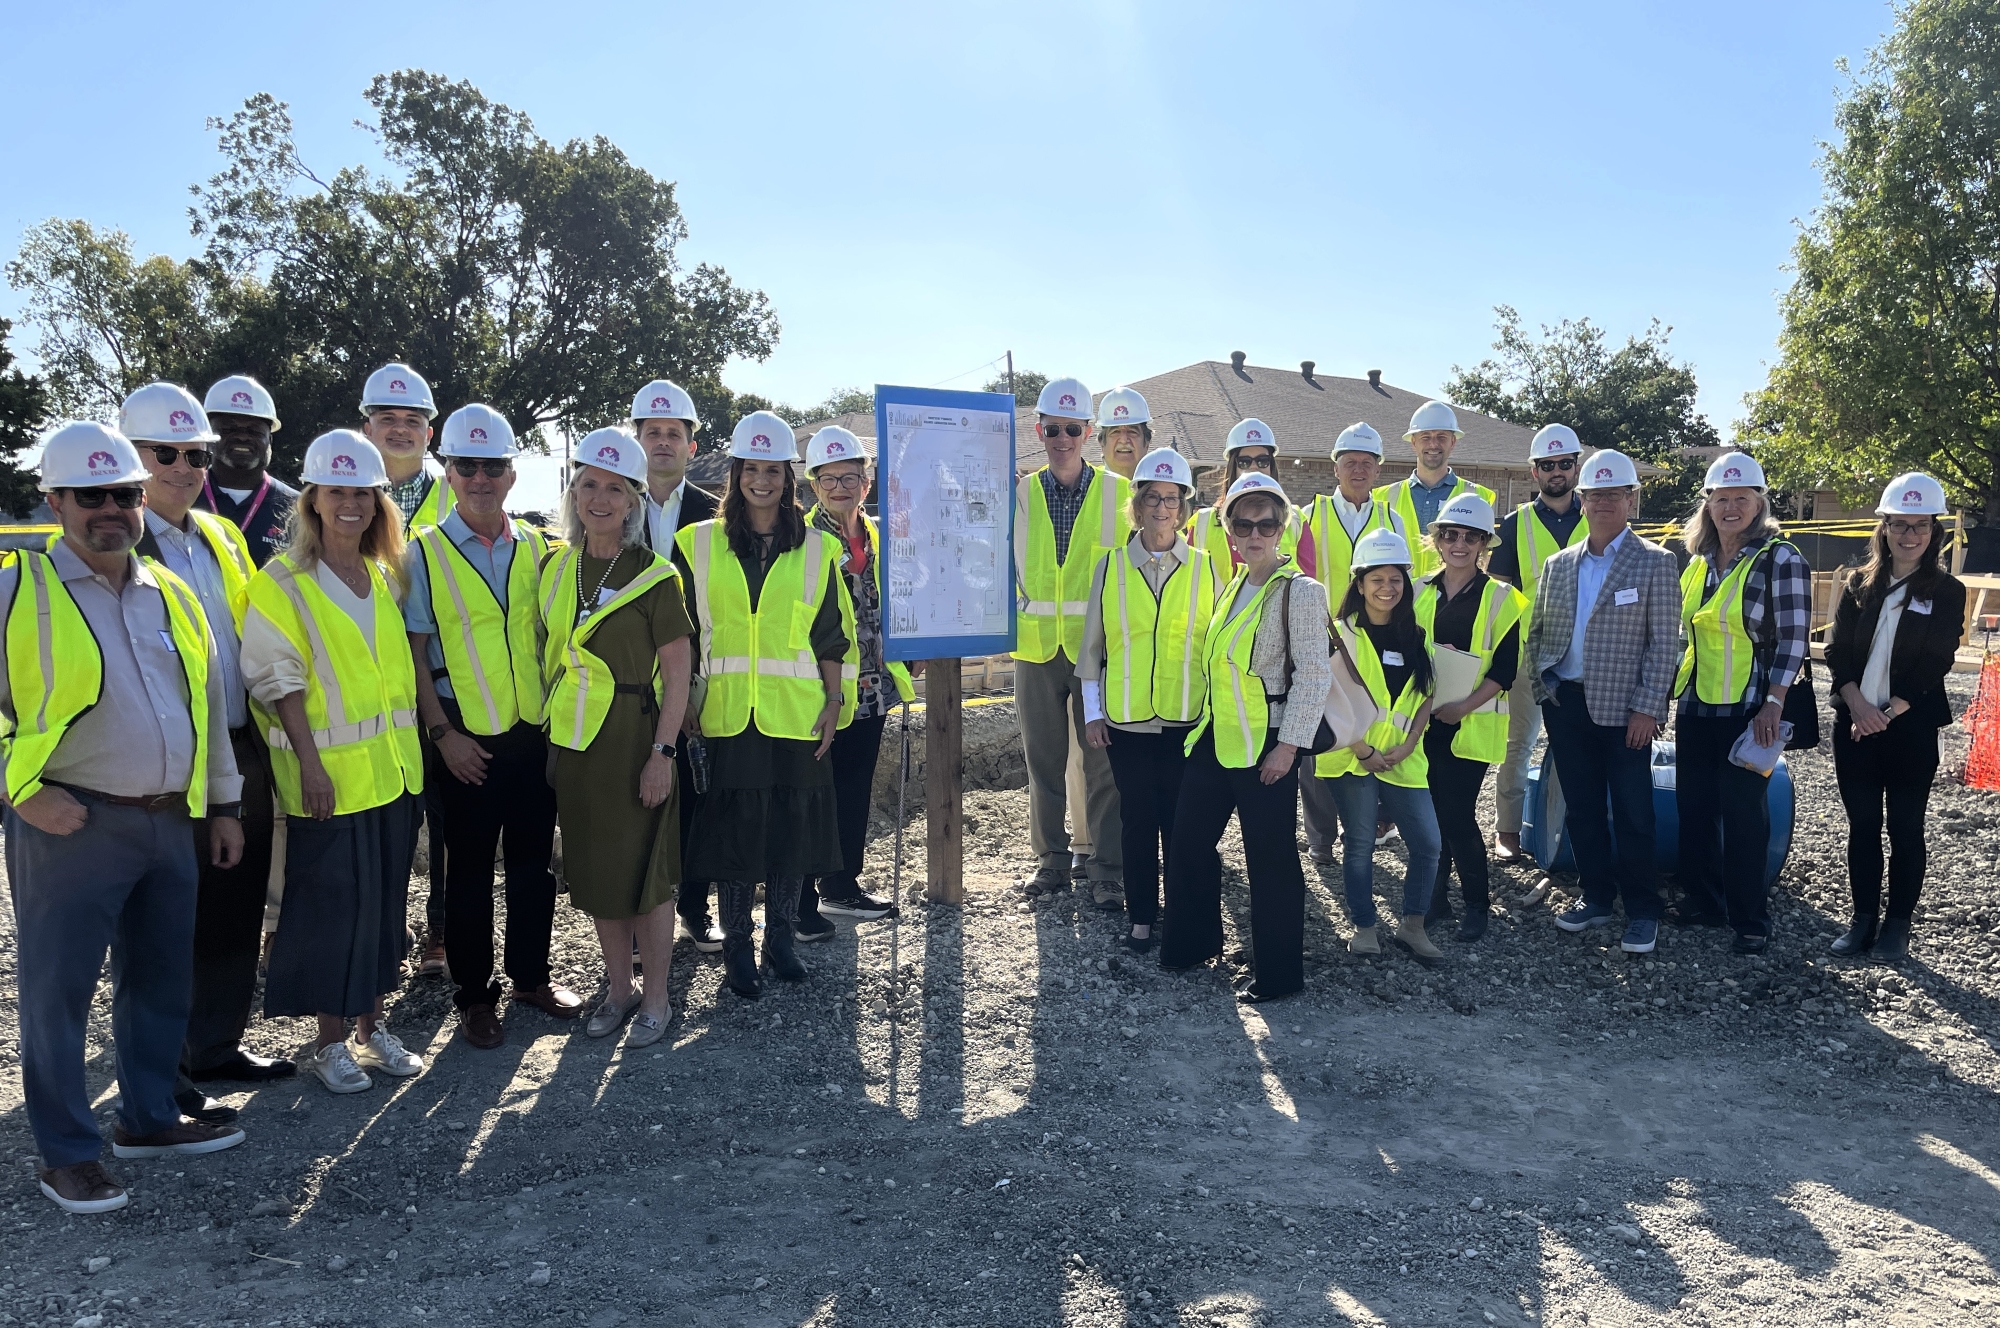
(1360, 799)
(127, 881)
(1606, 784)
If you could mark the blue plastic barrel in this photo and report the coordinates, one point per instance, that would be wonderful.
(1550, 844)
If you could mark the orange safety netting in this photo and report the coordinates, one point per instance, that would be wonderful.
(1982, 721)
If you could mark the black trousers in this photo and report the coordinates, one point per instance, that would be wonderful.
(1896, 768)
(1269, 815)
(1605, 782)
(515, 811)
(691, 895)
(434, 841)
(1147, 768)
(1455, 784)
(1725, 825)
(229, 918)
(853, 754)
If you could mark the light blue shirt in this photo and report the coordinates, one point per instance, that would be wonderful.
(492, 561)
(187, 555)
(1591, 569)
(1428, 499)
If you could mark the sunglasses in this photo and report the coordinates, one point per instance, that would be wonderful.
(198, 457)
(1054, 430)
(1458, 535)
(127, 496)
(1267, 527)
(470, 466)
(1263, 463)
(1560, 463)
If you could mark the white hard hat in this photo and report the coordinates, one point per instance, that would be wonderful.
(1251, 432)
(1433, 415)
(1734, 470)
(1167, 465)
(662, 400)
(1255, 481)
(1609, 470)
(1122, 405)
(1914, 494)
(241, 394)
(477, 431)
(84, 454)
(1379, 548)
(342, 456)
(164, 413)
(1469, 510)
(399, 387)
(1554, 440)
(762, 436)
(1065, 398)
(1358, 438)
(833, 443)
(614, 450)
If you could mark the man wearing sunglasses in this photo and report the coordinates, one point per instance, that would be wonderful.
(238, 484)
(1528, 537)
(476, 635)
(112, 691)
(1066, 516)
(1434, 435)
(212, 557)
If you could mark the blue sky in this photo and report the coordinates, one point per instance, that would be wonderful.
(1111, 190)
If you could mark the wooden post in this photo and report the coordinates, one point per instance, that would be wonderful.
(944, 781)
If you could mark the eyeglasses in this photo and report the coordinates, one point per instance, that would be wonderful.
(492, 469)
(1159, 500)
(1458, 535)
(1558, 463)
(1268, 465)
(1267, 527)
(127, 496)
(1909, 527)
(198, 457)
(851, 480)
(1052, 430)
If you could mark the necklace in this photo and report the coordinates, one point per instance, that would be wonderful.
(585, 607)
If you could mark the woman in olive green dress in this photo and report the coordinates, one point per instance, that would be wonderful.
(617, 670)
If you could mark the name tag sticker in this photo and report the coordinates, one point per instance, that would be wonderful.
(1394, 657)
(167, 637)
(1922, 606)
(1629, 595)
(605, 595)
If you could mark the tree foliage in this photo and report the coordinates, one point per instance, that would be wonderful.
(1027, 389)
(24, 413)
(539, 278)
(1890, 354)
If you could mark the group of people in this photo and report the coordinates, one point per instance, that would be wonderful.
(207, 672)
(1364, 659)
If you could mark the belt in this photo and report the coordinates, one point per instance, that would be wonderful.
(156, 802)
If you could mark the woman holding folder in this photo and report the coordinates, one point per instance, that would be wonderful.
(1473, 625)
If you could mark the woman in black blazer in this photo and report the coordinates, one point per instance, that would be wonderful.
(1894, 639)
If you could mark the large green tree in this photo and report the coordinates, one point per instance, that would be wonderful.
(24, 413)
(1890, 355)
(540, 278)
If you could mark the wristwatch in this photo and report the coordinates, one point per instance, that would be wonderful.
(667, 750)
(233, 810)
(436, 731)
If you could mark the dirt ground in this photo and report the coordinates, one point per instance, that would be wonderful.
(992, 1115)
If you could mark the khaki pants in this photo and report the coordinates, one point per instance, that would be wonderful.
(1510, 783)
(1048, 700)
(1077, 794)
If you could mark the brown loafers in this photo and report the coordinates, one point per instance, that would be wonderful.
(482, 1027)
(558, 1001)
(85, 1187)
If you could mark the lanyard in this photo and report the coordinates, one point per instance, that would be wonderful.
(256, 502)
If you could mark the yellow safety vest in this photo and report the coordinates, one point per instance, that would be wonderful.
(56, 672)
(1235, 700)
(1534, 546)
(899, 672)
(1482, 735)
(1333, 552)
(1720, 652)
(1153, 660)
(1398, 497)
(435, 505)
(760, 665)
(1414, 770)
(361, 705)
(578, 683)
(1053, 597)
(232, 555)
(1207, 532)
(492, 655)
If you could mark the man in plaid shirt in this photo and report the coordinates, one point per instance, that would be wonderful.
(1746, 611)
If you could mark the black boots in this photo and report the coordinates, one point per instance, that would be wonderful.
(739, 967)
(1860, 939)
(781, 908)
(1894, 941)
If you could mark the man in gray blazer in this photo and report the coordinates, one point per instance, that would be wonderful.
(1602, 649)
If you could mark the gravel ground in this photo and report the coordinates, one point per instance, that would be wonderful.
(991, 1115)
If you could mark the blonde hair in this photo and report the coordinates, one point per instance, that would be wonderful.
(630, 536)
(1699, 535)
(1136, 510)
(382, 541)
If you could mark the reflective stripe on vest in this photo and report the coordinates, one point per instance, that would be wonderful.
(1534, 546)
(493, 655)
(1052, 598)
(232, 555)
(1235, 700)
(1413, 771)
(760, 665)
(55, 671)
(360, 704)
(1400, 501)
(579, 684)
(1153, 645)
(432, 508)
(1333, 551)
(1482, 735)
(1720, 653)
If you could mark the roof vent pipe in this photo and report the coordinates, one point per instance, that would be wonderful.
(1374, 378)
(1306, 370)
(1236, 357)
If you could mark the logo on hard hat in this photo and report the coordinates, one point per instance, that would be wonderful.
(1164, 468)
(608, 453)
(1249, 434)
(834, 447)
(1913, 496)
(659, 403)
(1119, 410)
(1603, 473)
(239, 399)
(1555, 445)
(476, 436)
(345, 462)
(1732, 472)
(180, 419)
(101, 461)
(1066, 399)
(761, 440)
(398, 385)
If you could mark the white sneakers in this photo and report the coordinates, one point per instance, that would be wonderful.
(340, 1065)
